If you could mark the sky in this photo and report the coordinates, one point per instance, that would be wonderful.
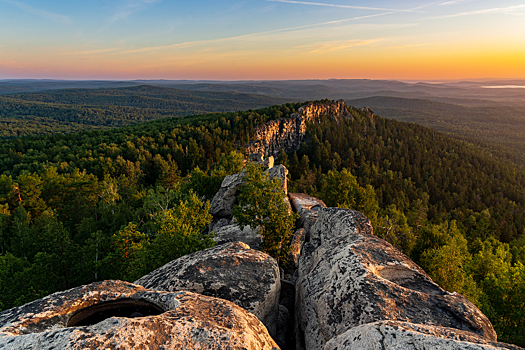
(262, 39)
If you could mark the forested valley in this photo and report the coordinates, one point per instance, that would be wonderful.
(74, 110)
(115, 204)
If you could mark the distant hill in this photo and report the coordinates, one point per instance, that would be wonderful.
(501, 128)
(73, 110)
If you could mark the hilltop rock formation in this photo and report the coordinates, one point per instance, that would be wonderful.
(286, 134)
(348, 278)
(231, 271)
(120, 315)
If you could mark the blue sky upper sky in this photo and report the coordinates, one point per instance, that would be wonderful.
(262, 39)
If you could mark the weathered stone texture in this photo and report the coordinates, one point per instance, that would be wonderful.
(347, 278)
(233, 233)
(187, 321)
(307, 207)
(408, 336)
(224, 200)
(232, 271)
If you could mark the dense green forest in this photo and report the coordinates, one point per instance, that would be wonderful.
(73, 110)
(96, 205)
(498, 127)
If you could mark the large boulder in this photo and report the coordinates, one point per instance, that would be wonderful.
(408, 336)
(120, 315)
(307, 207)
(224, 200)
(232, 271)
(279, 172)
(348, 277)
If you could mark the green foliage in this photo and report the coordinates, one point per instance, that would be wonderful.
(262, 206)
(448, 266)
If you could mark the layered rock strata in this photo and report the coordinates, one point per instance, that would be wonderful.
(120, 315)
(348, 278)
(232, 271)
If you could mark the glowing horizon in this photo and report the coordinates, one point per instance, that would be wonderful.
(262, 40)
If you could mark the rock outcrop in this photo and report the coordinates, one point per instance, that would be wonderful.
(348, 278)
(224, 200)
(232, 271)
(286, 134)
(120, 315)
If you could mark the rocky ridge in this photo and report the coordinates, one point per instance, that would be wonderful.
(346, 289)
(286, 134)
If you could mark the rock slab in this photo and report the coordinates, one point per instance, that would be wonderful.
(186, 321)
(348, 277)
(232, 271)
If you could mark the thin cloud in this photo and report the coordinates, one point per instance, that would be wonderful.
(39, 12)
(244, 36)
(91, 52)
(131, 8)
(405, 46)
(508, 10)
(342, 46)
(339, 6)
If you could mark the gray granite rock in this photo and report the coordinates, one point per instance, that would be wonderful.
(279, 172)
(296, 246)
(347, 278)
(307, 207)
(120, 315)
(231, 271)
(233, 233)
(408, 336)
(224, 200)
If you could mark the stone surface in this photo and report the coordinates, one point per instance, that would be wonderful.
(307, 207)
(408, 336)
(282, 326)
(233, 233)
(347, 278)
(224, 200)
(286, 134)
(231, 271)
(295, 246)
(186, 321)
(279, 172)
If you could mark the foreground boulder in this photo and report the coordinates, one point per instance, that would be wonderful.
(408, 336)
(231, 271)
(348, 278)
(120, 315)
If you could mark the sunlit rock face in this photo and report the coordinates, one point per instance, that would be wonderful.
(231, 271)
(347, 278)
(121, 315)
(286, 134)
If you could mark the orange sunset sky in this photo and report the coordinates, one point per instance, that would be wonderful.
(263, 39)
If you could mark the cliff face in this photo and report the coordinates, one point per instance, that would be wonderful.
(286, 134)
